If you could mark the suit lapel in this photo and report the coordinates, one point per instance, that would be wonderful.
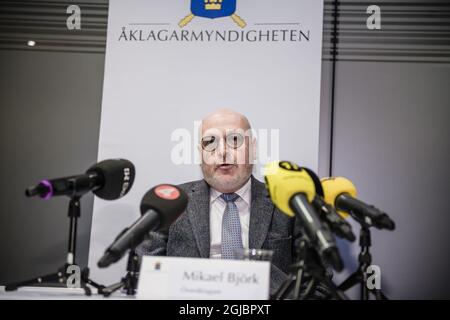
(261, 211)
(198, 212)
(260, 215)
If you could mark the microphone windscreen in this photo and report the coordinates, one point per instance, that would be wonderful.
(117, 175)
(285, 179)
(335, 186)
(168, 201)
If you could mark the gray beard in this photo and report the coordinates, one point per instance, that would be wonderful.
(231, 185)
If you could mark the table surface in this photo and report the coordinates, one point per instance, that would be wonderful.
(47, 293)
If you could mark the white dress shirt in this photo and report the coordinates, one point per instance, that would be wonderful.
(216, 210)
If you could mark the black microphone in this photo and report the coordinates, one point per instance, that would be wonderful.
(341, 193)
(291, 189)
(327, 212)
(316, 230)
(337, 224)
(160, 207)
(108, 179)
(370, 214)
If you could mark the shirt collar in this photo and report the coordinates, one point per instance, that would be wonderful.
(243, 192)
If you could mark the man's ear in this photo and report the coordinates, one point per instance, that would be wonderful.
(200, 154)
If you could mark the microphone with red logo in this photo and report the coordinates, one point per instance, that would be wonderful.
(160, 207)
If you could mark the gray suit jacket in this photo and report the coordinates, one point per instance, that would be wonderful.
(189, 235)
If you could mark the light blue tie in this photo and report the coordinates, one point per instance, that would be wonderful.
(231, 227)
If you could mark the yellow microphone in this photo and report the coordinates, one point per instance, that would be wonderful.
(292, 190)
(335, 186)
(328, 213)
(341, 193)
(285, 179)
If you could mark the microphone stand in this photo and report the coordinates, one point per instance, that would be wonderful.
(63, 274)
(365, 260)
(129, 282)
(310, 263)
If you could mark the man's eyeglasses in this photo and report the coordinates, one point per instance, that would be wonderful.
(233, 140)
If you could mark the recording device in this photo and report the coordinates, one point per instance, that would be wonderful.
(341, 193)
(292, 190)
(108, 179)
(160, 207)
(327, 213)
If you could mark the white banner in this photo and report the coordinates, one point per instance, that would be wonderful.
(171, 62)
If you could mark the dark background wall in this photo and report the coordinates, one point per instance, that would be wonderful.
(50, 117)
(385, 128)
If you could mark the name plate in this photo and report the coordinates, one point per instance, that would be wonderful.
(177, 278)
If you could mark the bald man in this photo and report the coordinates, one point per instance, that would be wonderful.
(228, 210)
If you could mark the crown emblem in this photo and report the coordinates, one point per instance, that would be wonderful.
(213, 4)
(213, 9)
